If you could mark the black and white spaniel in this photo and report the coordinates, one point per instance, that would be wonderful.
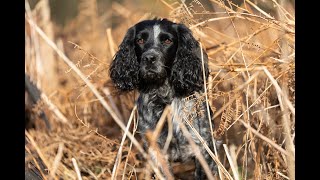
(163, 61)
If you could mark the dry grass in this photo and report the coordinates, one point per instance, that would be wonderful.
(251, 89)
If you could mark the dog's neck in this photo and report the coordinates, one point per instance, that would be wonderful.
(151, 105)
(157, 92)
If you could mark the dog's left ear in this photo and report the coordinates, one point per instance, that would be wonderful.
(187, 74)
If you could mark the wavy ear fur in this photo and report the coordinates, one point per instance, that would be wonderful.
(186, 76)
(125, 67)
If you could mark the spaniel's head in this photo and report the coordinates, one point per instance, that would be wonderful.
(155, 50)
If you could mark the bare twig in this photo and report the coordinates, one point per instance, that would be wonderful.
(54, 109)
(283, 175)
(160, 123)
(186, 8)
(264, 138)
(34, 144)
(168, 5)
(106, 91)
(35, 41)
(195, 149)
(57, 159)
(157, 155)
(210, 20)
(36, 163)
(170, 132)
(259, 9)
(118, 158)
(208, 109)
(75, 165)
(130, 148)
(233, 167)
(279, 91)
(155, 150)
(110, 42)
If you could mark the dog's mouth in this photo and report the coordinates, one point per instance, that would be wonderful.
(152, 76)
(151, 73)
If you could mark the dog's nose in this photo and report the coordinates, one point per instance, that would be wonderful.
(150, 58)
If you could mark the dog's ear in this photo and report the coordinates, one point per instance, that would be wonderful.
(187, 74)
(125, 67)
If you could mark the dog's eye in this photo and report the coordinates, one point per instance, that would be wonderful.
(140, 41)
(167, 41)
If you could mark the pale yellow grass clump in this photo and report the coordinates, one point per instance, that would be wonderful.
(251, 90)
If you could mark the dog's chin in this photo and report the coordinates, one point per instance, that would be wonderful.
(153, 78)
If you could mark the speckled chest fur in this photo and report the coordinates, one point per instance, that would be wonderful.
(192, 109)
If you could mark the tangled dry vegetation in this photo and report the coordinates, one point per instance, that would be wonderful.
(251, 88)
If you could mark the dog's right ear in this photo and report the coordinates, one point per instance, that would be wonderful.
(187, 73)
(125, 67)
